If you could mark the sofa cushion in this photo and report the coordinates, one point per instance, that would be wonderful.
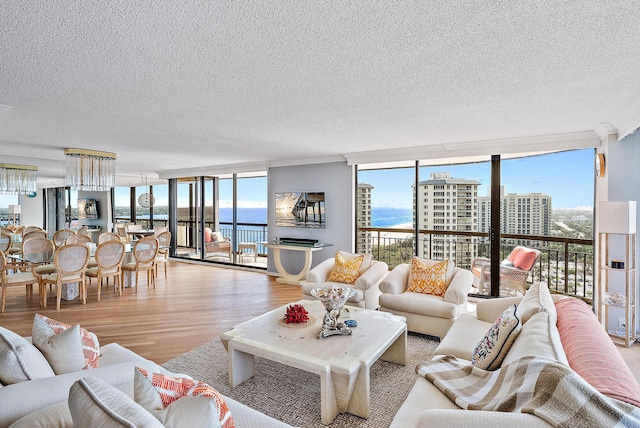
(179, 400)
(20, 360)
(539, 336)
(592, 354)
(95, 403)
(523, 258)
(493, 347)
(462, 337)
(345, 270)
(428, 278)
(66, 347)
(420, 304)
(537, 299)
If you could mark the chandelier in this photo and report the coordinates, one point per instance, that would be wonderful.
(90, 169)
(17, 179)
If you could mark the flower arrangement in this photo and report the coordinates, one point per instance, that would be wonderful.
(296, 314)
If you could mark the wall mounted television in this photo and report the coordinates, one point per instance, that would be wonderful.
(88, 208)
(300, 209)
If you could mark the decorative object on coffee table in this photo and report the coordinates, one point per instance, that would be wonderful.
(333, 298)
(296, 316)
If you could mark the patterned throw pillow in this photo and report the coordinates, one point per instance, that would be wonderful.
(345, 270)
(493, 347)
(428, 279)
(46, 332)
(180, 401)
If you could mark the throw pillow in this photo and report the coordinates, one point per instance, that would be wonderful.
(366, 261)
(592, 354)
(493, 347)
(428, 279)
(67, 348)
(95, 403)
(178, 400)
(523, 258)
(345, 271)
(20, 360)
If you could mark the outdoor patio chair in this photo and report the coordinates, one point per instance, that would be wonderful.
(514, 271)
(216, 245)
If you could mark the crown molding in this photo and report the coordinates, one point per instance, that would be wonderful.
(629, 120)
(537, 144)
(606, 129)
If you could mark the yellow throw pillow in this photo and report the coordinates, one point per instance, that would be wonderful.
(428, 279)
(346, 270)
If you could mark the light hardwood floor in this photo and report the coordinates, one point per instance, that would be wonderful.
(196, 304)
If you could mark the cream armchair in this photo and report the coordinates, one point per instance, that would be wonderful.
(366, 286)
(425, 313)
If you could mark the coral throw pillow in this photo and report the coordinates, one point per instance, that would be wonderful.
(428, 279)
(493, 347)
(346, 270)
(523, 258)
(592, 354)
(159, 392)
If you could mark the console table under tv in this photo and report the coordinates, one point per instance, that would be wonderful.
(308, 248)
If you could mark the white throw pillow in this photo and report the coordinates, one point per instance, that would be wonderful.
(94, 403)
(537, 299)
(494, 346)
(63, 351)
(20, 360)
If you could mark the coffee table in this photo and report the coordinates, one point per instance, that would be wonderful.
(343, 362)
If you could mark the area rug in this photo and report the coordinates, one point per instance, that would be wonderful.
(293, 396)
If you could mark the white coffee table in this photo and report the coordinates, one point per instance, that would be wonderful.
(343, 362)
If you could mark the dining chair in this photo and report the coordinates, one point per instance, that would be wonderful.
(13, 280)
(37, 253)
(164, 240)
(6, 246)
(108, 236)
(122, 233)
(109, 256)
(70, 262)
(34, 234)
(28, 229)
(158, 230)
(77, 239)
(60, 236)
(83, 230)
(145, 251)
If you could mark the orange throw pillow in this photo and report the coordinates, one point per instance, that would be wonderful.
(346, 270)
(428, 279)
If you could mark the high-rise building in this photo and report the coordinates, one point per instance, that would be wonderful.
(363, 215)
(520, 214)
(448, 204)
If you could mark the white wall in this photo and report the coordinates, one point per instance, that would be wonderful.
(32, 209)
(337, 180)
(623, 173)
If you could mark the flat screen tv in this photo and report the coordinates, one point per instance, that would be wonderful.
(300, 209)
(88, 208)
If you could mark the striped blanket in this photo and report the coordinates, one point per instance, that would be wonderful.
(535, 385)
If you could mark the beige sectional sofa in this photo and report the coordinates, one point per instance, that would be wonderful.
(43, 402)
(427, 406)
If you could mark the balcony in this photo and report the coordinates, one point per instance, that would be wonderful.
(566, 264)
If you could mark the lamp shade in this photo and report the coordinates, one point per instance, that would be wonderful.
(14, 209)
(617, 217)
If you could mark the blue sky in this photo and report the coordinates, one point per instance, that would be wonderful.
(566, 176)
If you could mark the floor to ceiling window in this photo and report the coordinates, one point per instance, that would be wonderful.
(546, 204)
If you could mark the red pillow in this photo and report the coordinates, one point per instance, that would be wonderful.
(523, 258)
(592, 354)
(207, 234)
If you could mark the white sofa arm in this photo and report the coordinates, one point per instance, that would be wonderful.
(372, 276)
(321, 272)
(396, 281)
(459, 287)
(477, 419)
(489, 310)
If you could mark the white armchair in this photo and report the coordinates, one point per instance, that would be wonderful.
(366, 286)
(425, 313)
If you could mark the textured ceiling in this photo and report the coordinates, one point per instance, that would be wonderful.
(203, 84)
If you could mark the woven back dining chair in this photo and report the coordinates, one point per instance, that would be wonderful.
(145, 251)
(70, 262)
(109, 256)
